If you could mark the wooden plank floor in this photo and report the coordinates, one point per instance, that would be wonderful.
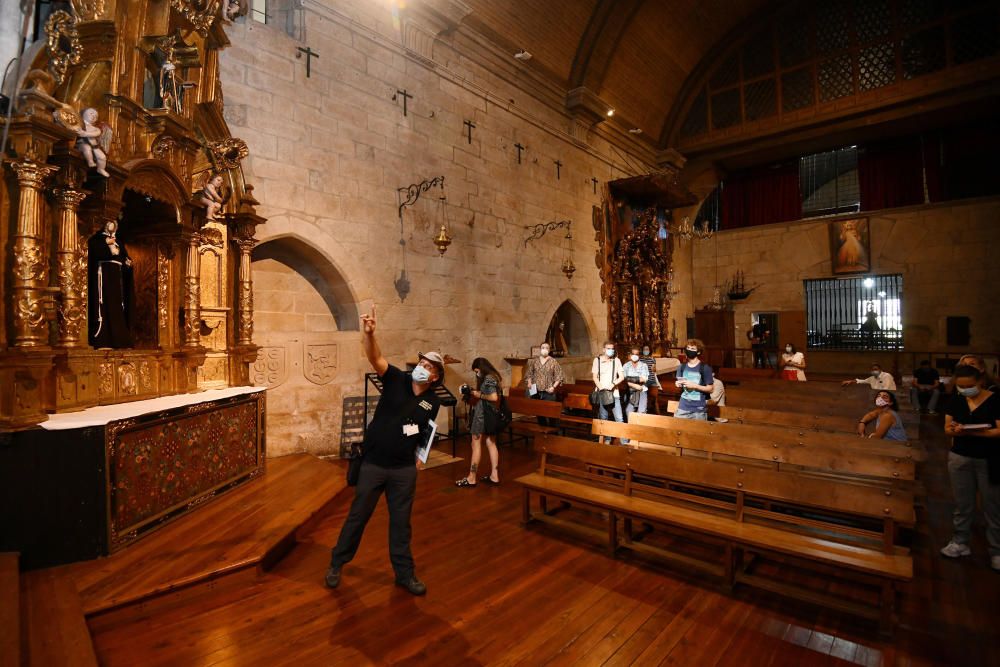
(501, 594)
(234, 531)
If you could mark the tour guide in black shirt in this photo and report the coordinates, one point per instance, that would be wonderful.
(400, 424)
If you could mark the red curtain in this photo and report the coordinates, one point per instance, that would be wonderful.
(890, 174)
(761, 196)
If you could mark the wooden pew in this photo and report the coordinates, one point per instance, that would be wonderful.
(799, 420)
(10, 609)
(53, 626)
(533, 408)
(762, 399)
(757, 510)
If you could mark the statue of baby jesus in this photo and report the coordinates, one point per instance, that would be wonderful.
(94, 141)
(213, 196)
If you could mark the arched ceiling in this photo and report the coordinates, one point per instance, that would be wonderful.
(635, 55)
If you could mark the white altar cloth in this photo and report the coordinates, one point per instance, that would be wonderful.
(102, 414)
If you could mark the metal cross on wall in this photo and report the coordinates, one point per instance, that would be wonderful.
(469, 127)
(310, 54)
(558, 165)
(519, 148)
(405, 95)
(594, 181)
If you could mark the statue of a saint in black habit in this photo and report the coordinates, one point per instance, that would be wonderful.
(110, 290)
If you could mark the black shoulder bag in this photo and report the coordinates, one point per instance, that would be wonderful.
(603, 397)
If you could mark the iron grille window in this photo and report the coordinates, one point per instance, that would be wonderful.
(864, 313)
(829, 182)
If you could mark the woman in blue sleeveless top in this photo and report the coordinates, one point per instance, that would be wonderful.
(885, 416)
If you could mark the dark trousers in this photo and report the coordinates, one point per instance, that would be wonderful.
(545, 396)
(400, 485)
(760, 356)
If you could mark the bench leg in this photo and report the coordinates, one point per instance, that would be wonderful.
(729, 576)
(612, 533)
(627, 526)
(887, 608)
(543, 503)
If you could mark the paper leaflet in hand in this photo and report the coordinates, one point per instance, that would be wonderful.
(425, 449)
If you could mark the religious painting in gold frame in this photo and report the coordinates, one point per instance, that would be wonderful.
(850, 246)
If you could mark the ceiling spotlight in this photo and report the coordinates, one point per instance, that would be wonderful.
(523, 56)
(635, 130)
(611, 112)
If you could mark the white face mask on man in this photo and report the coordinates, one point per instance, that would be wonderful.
(634, 358)
(544, 352)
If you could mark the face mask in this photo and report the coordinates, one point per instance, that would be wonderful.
(645, 351)
(476, 372)
(634, 357)
(691, 354)
(788, 349)
(882, 402)
(968, 392)
(420, 375)
(610, 353)
(875, 374)
(544, 352)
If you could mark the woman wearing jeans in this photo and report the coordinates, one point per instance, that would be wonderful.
(973, 420)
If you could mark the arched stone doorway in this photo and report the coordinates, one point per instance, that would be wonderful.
(568, 332)
(306, 322)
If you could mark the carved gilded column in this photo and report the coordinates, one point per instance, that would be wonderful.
(71, 265)
(192, 293)
(244, 295)
(30, 301)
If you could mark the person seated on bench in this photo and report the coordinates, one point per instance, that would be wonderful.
(972, 418)
(543, 377)
(926, 382)
(877, 380)
(793, 364)
(696, 381)
(885, 416)
(637, 379)
(607, 373)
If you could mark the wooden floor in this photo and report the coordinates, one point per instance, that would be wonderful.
(243, 528)
(502, 594)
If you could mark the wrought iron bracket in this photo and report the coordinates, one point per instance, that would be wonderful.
(540, 230)
(408, 196)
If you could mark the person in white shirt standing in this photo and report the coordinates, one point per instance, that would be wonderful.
(879, 380)
(637, 378)
(608, 374)
(793, 364)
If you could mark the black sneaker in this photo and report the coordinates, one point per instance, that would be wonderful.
(413, 585)
(332, 579)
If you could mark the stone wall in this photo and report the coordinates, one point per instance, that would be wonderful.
(327, 154)
(946, 254)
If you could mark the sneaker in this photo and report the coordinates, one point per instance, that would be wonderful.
(413, 585)
(953, 550)
(332, 579)
(995, 563)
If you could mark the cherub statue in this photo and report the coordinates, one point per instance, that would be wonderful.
(213, 195)
(94, 141)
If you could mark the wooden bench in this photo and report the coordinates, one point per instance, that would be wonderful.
(53, 627)
(748, 514)
(799, 420)
(762, 399)
(10, 610)
(533, 409)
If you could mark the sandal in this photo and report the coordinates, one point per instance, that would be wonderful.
(488, 480)
(464, 482)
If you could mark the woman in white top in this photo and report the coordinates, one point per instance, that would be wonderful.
(793, 364)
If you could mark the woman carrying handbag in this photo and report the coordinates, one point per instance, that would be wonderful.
(487, 391)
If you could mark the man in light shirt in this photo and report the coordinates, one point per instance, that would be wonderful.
(608, 374)
(879, 380)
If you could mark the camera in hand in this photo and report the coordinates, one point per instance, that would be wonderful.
(466, 391)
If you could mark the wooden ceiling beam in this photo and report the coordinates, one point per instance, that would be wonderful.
(605, 29)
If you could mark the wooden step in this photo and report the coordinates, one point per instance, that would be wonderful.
(10, 609)
(249, 527)
(53, 628)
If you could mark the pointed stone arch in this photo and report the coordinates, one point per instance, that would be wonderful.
(319, 270)
(579, 329)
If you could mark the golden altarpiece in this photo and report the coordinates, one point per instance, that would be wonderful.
(634, 232)
(118, 129)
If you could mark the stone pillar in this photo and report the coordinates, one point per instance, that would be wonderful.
(31, 302)
(192, 293)
(244, 293)
(72, 267)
